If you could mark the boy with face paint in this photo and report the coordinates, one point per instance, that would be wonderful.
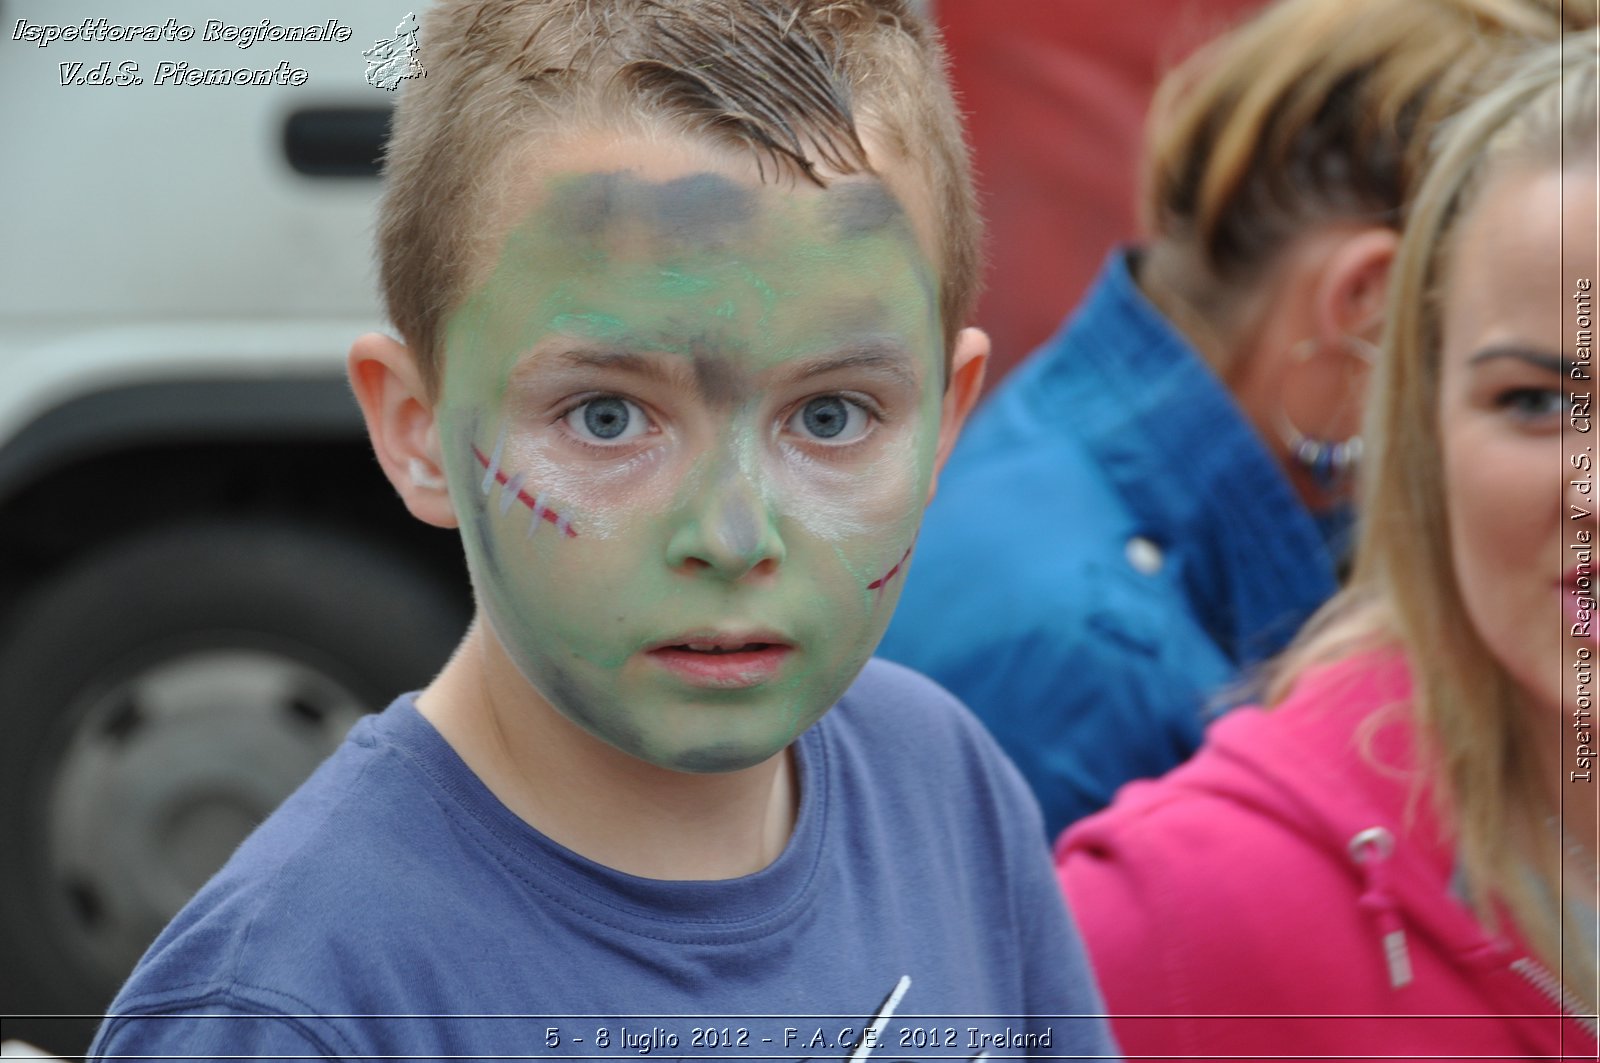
(679, 287)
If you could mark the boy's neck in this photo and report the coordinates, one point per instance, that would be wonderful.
(597, 801)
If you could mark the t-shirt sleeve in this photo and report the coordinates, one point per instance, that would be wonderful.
(1004, 871)
(214, 1028)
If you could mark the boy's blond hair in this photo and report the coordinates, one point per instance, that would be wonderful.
(793, 81)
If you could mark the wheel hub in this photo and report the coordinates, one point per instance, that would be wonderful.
(166, 773)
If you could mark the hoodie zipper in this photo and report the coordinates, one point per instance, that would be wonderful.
(1550, 987)
(1370, 850)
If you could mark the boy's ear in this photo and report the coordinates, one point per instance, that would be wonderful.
(400, 422)
(968, 363)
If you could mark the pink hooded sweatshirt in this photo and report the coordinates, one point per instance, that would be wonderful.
(1272, 898)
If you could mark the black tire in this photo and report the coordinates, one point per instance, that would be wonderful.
(172, 651)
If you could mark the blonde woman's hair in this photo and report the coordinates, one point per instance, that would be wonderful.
(795, 82)
(1312, 111)
(1487, 780)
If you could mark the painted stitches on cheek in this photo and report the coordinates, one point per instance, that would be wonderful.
(883, 580)
(513, 491)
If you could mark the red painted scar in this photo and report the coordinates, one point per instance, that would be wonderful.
(889, 575)
(543, 513)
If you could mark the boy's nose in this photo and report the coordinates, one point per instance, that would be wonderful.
(727, 530)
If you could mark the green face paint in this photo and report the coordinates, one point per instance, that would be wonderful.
(689, 425)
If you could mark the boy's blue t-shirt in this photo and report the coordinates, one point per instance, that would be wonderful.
(394, 907)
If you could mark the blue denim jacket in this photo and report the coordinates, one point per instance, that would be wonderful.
(1110, 546)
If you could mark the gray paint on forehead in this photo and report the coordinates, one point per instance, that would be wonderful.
(719, 380)
(585, 207)
(862, 208)
(701, 208)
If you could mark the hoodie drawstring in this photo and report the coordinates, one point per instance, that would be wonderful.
(1371, 850)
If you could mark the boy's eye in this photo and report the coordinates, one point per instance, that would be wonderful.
(1531, 404)
(607, 419)
(829, 419)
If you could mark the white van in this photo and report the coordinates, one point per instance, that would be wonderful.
(204, 579)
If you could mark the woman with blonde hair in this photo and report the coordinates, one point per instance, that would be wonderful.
(1155, 500)
(1399, 857)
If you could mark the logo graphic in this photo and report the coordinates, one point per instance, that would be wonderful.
(391, 61)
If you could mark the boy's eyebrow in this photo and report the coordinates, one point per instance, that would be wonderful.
(661, 370)
(889, 358)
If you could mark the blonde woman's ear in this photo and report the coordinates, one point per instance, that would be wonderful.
(1354, 285)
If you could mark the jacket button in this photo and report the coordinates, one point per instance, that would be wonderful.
(1144, 555)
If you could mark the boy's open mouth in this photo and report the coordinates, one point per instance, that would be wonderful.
(722, 660)
(709, 647)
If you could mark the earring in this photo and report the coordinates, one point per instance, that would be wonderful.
(1329, 462)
